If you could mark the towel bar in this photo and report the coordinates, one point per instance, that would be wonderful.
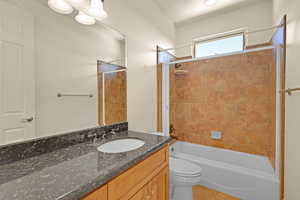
(74, 95)
(290, 91)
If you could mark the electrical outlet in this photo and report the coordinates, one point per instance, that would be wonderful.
(216, 135)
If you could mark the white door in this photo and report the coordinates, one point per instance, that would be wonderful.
(17, 83)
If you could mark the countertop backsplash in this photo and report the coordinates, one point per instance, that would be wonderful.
(13, 152)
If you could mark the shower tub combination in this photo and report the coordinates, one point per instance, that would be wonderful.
(242, 175)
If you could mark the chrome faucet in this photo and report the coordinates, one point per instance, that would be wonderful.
(114, 130)
(103, 136)
(91, 134)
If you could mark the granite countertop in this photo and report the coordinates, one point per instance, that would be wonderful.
(71, 172)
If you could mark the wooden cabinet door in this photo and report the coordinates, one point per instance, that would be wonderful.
(156, 189)
(142, 194)
(100, 194)
(159, 186)
(130, 182)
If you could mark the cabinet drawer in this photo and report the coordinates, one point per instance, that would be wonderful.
(128, 183)
(99, 194)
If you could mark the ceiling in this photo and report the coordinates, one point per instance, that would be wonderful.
(180, 11)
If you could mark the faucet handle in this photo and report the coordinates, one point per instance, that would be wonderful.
(114, 130)
(103, 136)
(91, 134)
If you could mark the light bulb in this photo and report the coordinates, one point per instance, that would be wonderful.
(82, 18)
(96, 10)
(78, 3)
(210, 2)
(60, 6)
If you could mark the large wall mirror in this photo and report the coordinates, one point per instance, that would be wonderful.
(57, 75)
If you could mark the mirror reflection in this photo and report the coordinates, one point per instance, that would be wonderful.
(48, 62)
(112, 94)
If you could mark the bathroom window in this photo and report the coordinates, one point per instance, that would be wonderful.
(225, 44)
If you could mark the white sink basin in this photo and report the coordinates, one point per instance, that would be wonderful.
(121, 145)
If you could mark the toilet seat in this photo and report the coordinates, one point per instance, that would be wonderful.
(184, 168)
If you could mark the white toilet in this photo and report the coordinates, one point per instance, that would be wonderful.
(183, 176)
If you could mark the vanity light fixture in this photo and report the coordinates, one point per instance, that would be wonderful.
(78, 3)
(60, 6)
(88, 10)
(97, 10)
(82, 18)
(210, 2)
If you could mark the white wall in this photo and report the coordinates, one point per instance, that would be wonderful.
(291, 8)
(253, 16)
(144, 31)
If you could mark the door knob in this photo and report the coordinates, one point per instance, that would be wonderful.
(27, 120)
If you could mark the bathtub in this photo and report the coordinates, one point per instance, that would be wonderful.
(242, 175)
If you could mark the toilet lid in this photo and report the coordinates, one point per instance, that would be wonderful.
(183, 167)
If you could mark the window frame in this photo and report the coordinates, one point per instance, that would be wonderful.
(219, 37)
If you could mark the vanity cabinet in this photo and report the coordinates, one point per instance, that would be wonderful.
(147, 180)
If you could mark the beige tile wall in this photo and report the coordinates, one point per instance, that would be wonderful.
(115, 98)
(234, 95)
(115, 92)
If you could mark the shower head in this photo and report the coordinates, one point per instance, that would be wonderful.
(179, 71)
(177, 65)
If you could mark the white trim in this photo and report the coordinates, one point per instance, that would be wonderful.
(166, 99)
(223, 55)
(103, 98)
(278, 113)
(221, 35)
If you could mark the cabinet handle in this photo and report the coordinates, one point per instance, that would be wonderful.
(27, 120)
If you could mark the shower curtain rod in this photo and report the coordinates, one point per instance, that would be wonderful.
(246, 33)
(223, 55)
